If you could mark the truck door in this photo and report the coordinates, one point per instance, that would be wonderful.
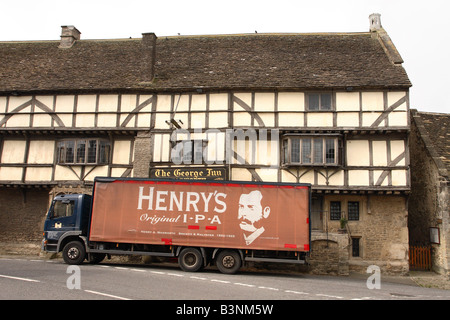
(61, 218)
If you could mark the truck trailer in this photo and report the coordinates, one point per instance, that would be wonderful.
(201, 223)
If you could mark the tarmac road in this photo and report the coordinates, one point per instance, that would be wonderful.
(34, 278)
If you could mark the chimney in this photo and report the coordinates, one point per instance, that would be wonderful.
(375, 22)
(149, 56)
(69, 34)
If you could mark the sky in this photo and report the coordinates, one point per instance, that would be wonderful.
(419, 29)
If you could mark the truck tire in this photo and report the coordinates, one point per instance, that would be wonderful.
(228, 261)
(190, 260)
(74, 252)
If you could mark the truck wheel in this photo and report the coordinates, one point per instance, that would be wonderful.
(228, 261)
(74, 253)
(190, 260)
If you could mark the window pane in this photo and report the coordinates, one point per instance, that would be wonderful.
(92, 151)
(187, 151)
(330, 151)
(61, 152)
(353, 210)
(63, 209)
(325, 101)
(306, 150)
(103, 155)
(295, 150)
(335, 210)
(198, 151)
(313, 103)
(285, 151)
(70, 145)
(318, 150)
(81, 151)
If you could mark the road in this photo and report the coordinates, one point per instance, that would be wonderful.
(30, 278)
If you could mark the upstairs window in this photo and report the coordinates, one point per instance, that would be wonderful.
(84, 151)
(189, 152)
(319, 102)
(304, 150)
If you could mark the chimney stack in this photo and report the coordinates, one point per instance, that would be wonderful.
(69, 34)
(149, 56)
(375, 22)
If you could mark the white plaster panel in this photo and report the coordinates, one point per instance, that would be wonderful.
(264, 101)
(64, 103)
(86, 103)
(347, 101)
(320, 119)
(379, 153)
(218, 119)
(358, 153)
(198, 102)
(38, 174)
(358, 177)
(291, 101)
(41, 151)
(218, 101)
(290, 119)
(372, 101)
(10, 173)
(348, 119)
(108, 103)
(122, 151)
(13, 151)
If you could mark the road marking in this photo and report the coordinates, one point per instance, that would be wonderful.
(220, 281)
(295, 292)
(106, 295)
(139, 270)
(244, 284)
(328, 296)
(157, 272)
(198, 278)
(269, 288)
(175, 274)
(18, 278)
(121, 268)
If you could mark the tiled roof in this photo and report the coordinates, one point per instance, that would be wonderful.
(252, 61)
(437, 129)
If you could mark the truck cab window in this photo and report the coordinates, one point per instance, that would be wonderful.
(63, 208)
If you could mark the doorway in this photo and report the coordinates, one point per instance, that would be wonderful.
(317, 213)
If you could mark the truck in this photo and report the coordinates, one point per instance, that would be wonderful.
(199, 223)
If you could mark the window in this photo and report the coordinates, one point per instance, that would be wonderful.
(353, 210)
(188, 152)
(319, 102)
(335, 210)
(84, 151)
(63, 208)
(355, 247)
(310, 150)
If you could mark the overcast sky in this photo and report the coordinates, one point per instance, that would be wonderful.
(419, 29)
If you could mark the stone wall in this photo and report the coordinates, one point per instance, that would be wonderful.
(429, 200)
(22, 216)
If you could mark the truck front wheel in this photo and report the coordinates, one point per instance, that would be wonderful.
(74, 253)
(228, 261)
(190, 259)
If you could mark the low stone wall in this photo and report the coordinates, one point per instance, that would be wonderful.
(329, 253)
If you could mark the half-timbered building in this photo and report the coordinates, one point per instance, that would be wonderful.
(329, 109)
